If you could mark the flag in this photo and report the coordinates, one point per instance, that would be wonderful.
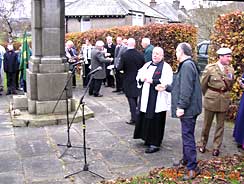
(25, 56)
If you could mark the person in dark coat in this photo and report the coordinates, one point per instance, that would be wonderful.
(98, 60)
(110, 49)
(131, 61)
(10, 60)
(119, 50)
(186, 104)
(238, 133)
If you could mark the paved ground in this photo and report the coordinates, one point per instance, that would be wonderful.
(31, 155)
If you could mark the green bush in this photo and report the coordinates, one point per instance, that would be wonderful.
(167, 36)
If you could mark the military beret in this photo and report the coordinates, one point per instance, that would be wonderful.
(223, 51)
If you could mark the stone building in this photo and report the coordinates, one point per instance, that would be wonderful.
(83, 15)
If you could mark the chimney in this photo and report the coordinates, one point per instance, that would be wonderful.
(176, 4)
(153, 3)
(183, 9)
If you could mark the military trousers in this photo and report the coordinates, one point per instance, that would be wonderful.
(219, 129)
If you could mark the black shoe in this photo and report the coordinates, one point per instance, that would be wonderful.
(151, 149)
(191, 174)
(180, 163)
(131, 122)
(215, 152)
(99, 95)
(146, 144)
(120, 93)
(115, 91)
(8, 93)
(14, 93)
(202, 149)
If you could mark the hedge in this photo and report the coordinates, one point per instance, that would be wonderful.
(167, 36)
(229, 32)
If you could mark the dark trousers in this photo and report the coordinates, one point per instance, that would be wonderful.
(11, 77)
(72, 69)
(86, 71)
(24, 86)
(188, 140)
(17, 79)
(119, 80)
(21, 79)
(95, 86)
(133, 105)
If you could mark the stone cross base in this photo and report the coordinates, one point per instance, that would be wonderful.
(21, 117)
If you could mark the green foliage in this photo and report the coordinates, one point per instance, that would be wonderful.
(167, 36)
(229, 32)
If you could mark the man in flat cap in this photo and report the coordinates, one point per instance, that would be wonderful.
(217, 81)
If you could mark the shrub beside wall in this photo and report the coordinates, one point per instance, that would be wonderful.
(229, 32)
(167, 36)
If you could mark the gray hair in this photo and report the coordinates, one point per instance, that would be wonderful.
(146, 41)
(99, 43)
(186, 48)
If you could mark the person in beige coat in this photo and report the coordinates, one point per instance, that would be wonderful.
(217, 81)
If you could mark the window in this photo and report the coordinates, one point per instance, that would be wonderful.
(85, 23)
(203, 49)
(137, 19)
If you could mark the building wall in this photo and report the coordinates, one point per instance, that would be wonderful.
(107, 22)
(73, 25)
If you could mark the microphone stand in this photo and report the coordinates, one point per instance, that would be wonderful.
(85, 167)
(68, 144)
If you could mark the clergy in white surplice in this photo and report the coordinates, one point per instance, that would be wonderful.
(153, 102)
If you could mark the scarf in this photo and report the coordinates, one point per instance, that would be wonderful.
(152, 98)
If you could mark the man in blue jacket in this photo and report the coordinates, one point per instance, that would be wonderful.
(186, 104)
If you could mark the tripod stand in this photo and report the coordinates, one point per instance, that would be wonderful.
(85, 167)
(68, 144)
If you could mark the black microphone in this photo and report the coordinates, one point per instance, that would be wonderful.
(95, 70)
(80, 62)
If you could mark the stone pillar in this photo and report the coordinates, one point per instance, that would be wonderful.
(48, 70)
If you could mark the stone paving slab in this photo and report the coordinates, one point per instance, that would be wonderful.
(30, 155)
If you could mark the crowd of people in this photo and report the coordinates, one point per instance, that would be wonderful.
(10, 64)
(152, 89)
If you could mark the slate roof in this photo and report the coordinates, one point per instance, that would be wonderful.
(109, 8)
(168, 10)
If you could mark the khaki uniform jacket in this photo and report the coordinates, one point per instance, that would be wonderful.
(217, 100)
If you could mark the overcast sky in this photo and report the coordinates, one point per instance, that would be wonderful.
(188, 4)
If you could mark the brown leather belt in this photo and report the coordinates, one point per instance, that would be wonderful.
(217, 90)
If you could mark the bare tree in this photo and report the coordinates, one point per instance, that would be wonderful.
(205, 18)
(8, 10)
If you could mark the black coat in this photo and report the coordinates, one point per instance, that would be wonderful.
(131, 61)
(10, 60)
(110, 49)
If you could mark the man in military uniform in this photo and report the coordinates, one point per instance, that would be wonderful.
(217, 81)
